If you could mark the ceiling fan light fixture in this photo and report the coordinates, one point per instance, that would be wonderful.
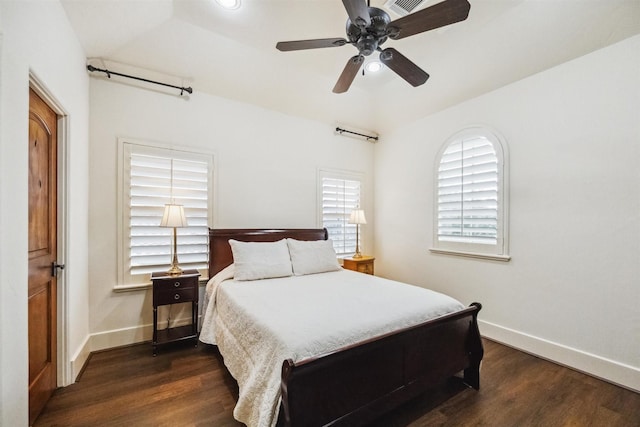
(367, 45)
(229, 4)
(373, 66)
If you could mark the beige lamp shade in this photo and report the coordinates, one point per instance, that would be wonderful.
(173, 216)
(357, 217)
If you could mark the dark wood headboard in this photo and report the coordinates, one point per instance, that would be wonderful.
(220, 254)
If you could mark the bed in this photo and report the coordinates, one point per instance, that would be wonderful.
(340, 379)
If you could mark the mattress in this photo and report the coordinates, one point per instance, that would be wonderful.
(259, 324)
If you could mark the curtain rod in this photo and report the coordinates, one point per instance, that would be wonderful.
(340, 130)
(109, 72)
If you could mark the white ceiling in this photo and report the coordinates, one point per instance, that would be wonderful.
(232, 53)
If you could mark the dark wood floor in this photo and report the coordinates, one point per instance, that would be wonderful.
(191, 387)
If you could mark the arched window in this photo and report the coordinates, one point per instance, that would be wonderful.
(471, 206)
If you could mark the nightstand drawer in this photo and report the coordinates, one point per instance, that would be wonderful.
(175, 296)
(172, 284)
(366, 268)
(364, 264)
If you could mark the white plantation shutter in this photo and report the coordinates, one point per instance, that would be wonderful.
(149, 185)
(339, 197)
(468, 192)
(471, 202)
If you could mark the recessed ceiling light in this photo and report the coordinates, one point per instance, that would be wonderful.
(374, 67)
(229, 4)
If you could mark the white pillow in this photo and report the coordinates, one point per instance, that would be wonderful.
(315, 256)
(260, 260)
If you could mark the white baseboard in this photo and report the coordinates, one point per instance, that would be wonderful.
(121, 337)
(608, 370)
(116, 338)
(79, 360)
(600, 367)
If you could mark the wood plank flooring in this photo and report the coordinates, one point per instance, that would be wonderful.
(186, 386)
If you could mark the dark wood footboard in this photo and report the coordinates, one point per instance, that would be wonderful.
(357, 384)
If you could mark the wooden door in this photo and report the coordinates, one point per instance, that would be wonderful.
(42, 253)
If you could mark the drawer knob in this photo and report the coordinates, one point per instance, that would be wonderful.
(176, 297)
(177, 284)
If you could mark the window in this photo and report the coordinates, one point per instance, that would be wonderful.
(471, 197)
(339, 194)
(151, 176)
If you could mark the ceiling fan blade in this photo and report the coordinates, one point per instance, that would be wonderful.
(358, 12)
(310, 44)
(403, 67)
(436, 16)
(348, 74)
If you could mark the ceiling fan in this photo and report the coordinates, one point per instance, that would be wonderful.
(369, 27)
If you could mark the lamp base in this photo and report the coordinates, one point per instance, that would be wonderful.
(357, 254)
(174, 271)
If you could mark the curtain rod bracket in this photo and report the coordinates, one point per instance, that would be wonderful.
(109, 72)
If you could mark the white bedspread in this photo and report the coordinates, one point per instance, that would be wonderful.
(259, 324)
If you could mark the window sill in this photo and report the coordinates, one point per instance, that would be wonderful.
(144, 286)
(131, 288)
(491, 257)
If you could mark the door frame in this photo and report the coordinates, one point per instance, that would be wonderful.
(64, 372)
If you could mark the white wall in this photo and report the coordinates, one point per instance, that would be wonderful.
(572, 288)
(37, 37)
(266, 168)
(570, 292)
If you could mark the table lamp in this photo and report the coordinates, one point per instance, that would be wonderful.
(174, 217)
(357, 217)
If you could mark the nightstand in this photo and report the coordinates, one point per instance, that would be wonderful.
(362, 265)
(168, 289)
